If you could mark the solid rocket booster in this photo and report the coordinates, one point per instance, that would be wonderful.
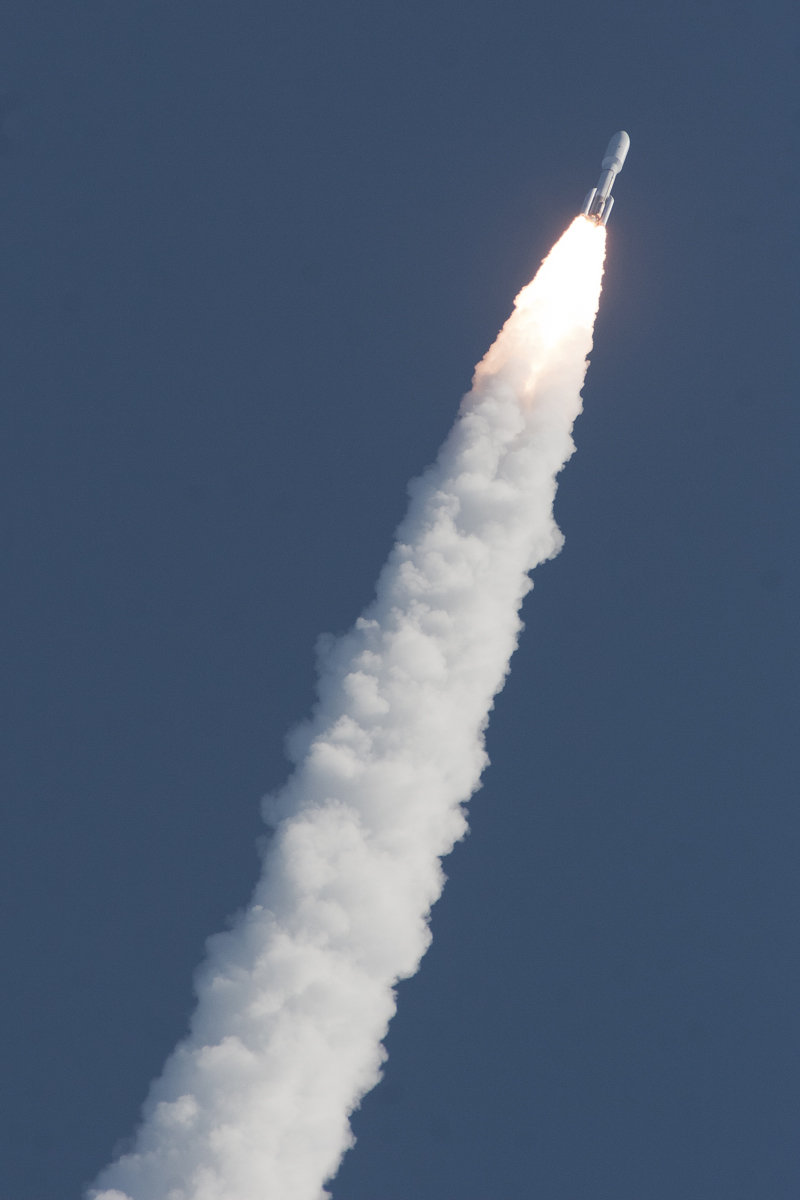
(598, 203)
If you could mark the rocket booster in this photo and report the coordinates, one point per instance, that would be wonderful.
(598, 203)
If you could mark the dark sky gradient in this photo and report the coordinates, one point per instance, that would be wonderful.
(249, 254)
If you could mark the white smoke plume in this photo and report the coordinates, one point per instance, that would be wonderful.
(294, 1001)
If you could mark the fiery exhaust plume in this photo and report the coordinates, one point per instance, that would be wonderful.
(294, 1001)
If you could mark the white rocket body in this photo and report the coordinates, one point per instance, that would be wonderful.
(599, 201)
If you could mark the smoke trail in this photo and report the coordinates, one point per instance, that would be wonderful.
(293, 1002)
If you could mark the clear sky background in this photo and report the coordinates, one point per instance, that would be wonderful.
(249, 255)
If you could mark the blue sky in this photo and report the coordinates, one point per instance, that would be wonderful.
(249, 256)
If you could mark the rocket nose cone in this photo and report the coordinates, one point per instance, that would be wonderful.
(619, 146)
(615, 154)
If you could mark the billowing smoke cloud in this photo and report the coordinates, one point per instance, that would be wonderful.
(293, 1002)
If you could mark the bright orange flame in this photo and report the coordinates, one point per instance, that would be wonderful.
(556, 307)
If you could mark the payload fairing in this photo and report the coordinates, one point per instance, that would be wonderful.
(598, 203)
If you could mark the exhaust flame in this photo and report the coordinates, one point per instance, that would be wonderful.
(294, 1001)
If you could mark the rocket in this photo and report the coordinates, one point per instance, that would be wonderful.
(598, 203)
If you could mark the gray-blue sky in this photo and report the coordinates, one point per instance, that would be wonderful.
(248, 257)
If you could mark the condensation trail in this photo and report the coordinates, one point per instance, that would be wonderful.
(294, 1001)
